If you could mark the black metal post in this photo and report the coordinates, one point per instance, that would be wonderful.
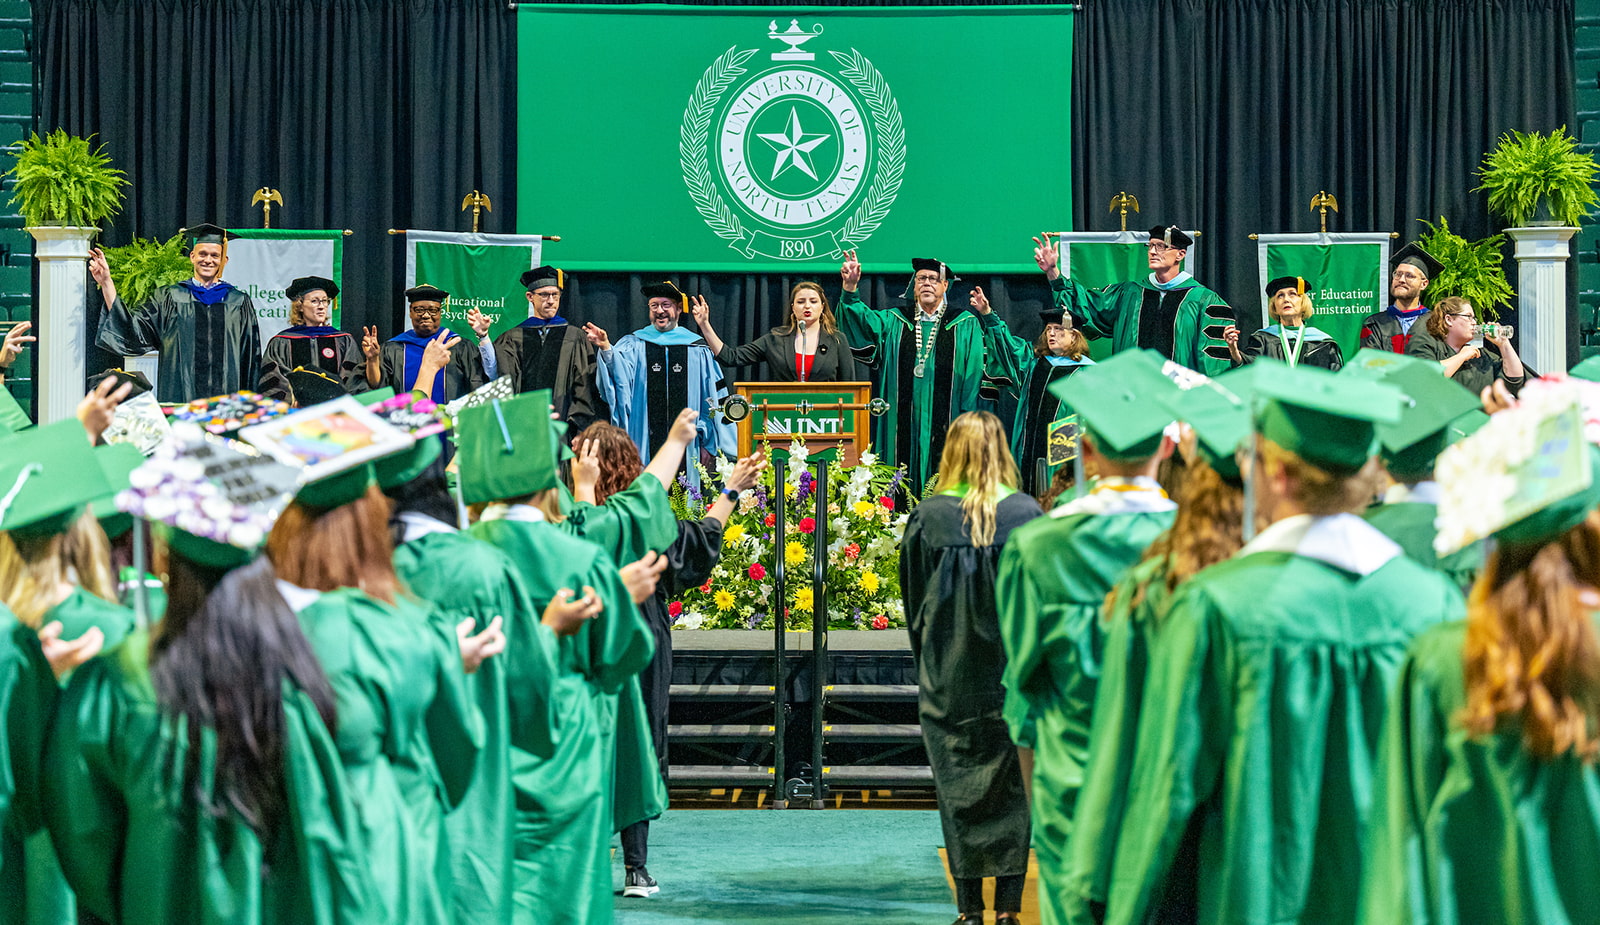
(780, 681)
(819, 632)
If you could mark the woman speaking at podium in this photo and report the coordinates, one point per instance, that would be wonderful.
(807, 349)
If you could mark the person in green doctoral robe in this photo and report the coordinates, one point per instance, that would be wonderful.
(1208, 529)
(409, 732)
(192, 775)
(948, 561)
(1436, 415)
(1252, 769)
(931, 363)
(204, 328)
(1487, 803)
(1032, 367)
(1167, 312)
(55, 576)
(1054, 575)
(564, 803)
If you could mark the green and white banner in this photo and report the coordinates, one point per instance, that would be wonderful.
(772, 139)
(481, 271)
(1100, 258)
(1346, 275)
(264, 261)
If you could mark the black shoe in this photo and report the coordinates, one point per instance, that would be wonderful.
(638, 884)
(969, 918)
(1007, 918)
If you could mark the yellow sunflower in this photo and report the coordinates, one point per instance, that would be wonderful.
(795, 552)
(724, 600)
(864, 508)
(870, 581)
(732, 535)
(804, 599)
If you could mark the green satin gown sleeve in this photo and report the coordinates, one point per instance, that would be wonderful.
(632, 522)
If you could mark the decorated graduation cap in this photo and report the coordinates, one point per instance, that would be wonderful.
(140, 384)
(47, 475)
(540, 277)
(212, 500)
(335, 444)
(1432, 403)
(207, 233)
(117, 462)
(423, 292)
(425, 422)
(1122, 403)
(507, 448)
(313, 386)
(1172, 236)
(1414, 256)
(1326, 419)
(1298, 284)
(666, 289)
(305, 284)
(1218, 410)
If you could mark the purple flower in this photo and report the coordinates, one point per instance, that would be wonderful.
(806, 478)
(754, 620)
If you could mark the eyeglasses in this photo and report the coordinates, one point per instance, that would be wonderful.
(548, 296)
(662, 303)
(1460, 315)
(1158, 247)
(428, 312)
(319, 303)
(1399, 274)
(926, 278)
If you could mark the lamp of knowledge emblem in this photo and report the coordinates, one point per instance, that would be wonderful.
(792, 154)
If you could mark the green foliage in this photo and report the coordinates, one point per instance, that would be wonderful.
(1526, 168)
(146, 265)
(61, 180)
(1473, 270)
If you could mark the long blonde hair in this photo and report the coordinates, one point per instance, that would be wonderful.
(32, 566)
(977, 454)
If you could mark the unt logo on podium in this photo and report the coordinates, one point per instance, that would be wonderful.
(799, 160)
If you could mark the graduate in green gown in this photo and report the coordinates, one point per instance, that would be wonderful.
(1437, 414)
(192, 776)
(55, 577)
(1252, 769)
(930, 365)
(1208, 529)
(564, 803)
(1167, 312)
(1054, 576)
(1487, 803)
(409, 731)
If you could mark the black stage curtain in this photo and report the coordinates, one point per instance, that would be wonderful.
(1229, 115)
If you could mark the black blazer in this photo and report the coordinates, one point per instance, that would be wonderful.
(833, 362)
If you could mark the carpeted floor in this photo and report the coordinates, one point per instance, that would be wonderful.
(758, 867)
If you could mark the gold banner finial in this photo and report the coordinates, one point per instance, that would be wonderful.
(265, 197)
(1324, 200)
(479, 203)
(1121, 201)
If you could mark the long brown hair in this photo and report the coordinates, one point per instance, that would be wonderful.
(619, 458)
(1531, 656)
(32, 566)
(1208, 528)
(344, 547)
(829, 324)
(977, 454)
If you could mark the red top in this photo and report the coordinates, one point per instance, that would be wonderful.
(803, 363)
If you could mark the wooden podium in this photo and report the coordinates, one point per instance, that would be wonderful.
(832, 419)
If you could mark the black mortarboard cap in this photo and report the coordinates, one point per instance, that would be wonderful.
(1417, 257)
(313, 386)
(307, 284)
(422, 292)
(207, 233)
(1287, 282)
(540, 277)
(141, 385)
(1171, 235)
(666, 289)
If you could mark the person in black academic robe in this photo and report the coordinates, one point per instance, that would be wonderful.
(311, 343)
(546, 352)
(1446, 337)
(401, 358)
(1392, 328)
(205, 329)
(1288, 339)
(807, 349)
(948, 564)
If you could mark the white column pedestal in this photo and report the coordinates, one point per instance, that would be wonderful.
(1542, 281)
(59, 375)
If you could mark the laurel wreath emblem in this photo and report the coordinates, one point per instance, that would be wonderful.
(694, 156)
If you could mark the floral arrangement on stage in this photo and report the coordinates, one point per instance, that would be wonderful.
(863, 552)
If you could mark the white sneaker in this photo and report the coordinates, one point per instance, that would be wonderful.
(638, 884)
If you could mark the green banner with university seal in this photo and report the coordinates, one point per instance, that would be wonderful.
(1346, 273)
(734, 139)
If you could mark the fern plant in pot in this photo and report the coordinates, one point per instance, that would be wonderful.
(1539, 179)
(1473, 270)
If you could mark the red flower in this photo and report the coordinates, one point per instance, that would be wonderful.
(757, 572)
(880, 622)
(771, 519)
(675, 609)
(852, 550)
(807, 525)
(706, 588)
(886, 501)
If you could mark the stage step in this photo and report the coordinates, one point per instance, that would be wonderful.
(880, 775)
(872, 732)
(721, 692)
(861, 692)
(719, 732)
(710, 775)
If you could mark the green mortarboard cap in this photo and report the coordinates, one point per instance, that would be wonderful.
(1411, 444)
(558, 434)
(47, 475)
(307, 284)
(117, 462)
(1326, 419)
(1375, 364)
(1414, 256)
(207, 233)
(1467, 425)
(1588, 370)
(1219, 413)
(338, 489)
(375, 396)
(423, 420)
(426, 293)
(1122, 403)
(1556, 518)
(313, 386)
(507, 448)
(12, 416)
(540, 277)
(401, 468)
